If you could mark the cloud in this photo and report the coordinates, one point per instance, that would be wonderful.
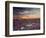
(26, 11)
(30, 12)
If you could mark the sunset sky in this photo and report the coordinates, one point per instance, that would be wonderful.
(26, 13)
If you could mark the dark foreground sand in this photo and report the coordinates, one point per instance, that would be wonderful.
(26, 24)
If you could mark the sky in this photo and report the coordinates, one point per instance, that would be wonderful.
(26, 11)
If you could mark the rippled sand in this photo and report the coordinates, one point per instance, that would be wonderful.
(26, 24)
